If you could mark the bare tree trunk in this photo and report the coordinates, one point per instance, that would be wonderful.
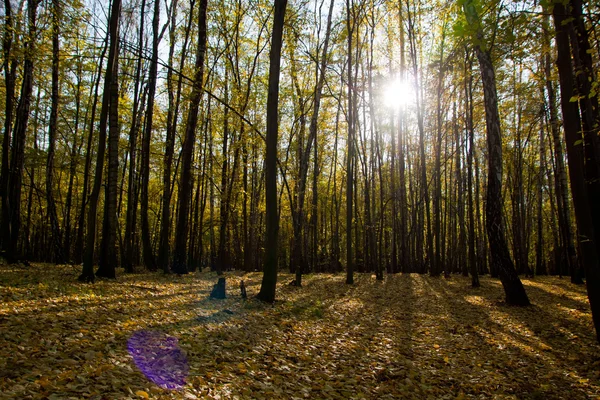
(75, 151)
(470, 132)
(172, 117)
(539, 244)
(349, 152)
(513, 288)
(426, 261)
(132, 204)
(57, 255)
(19, 135)
(10, 72)
(576, 158)
(185, 185)
(108, 251)
(436, 262)
(79, 242)
(560, 179)
(148, 255)
(269, 280)
(223, 255)
(87, 273)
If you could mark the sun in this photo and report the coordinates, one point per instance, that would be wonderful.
(398, 93)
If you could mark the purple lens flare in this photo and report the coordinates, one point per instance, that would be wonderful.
(159, 358)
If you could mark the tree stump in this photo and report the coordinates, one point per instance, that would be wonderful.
(218, 291)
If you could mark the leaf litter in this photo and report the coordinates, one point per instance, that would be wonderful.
(410, 336)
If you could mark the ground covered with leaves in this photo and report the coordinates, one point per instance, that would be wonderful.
(407, 337)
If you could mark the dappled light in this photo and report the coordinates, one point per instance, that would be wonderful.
(409, 336)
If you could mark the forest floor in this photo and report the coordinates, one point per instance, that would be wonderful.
(407, 337)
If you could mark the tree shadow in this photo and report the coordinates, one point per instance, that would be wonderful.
(508, 343)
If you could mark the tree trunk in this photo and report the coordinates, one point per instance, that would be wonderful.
(560, 178)
(513, 288)
(470, 132)
(172, 118)
(148, 256)
(87, 273)
(577, 172)
(79, 242)
(108, 250)
(269, 280)
(10, 71)
(349, 154)
(185, 186)
(132, 204)
(436, 263)
(19, 134)
(56, 252)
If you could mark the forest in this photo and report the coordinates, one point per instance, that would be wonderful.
(435, 146)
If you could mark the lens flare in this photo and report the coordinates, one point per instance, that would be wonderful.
(158, 356)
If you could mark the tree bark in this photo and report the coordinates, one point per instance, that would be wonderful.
(56, 252)
(87, 273)
(269, 280)
(470, 132)
(10, 71)
(576, 159)
(560, 179)
(349, 154)
(513, 288)
(172, 118)
(17, 158)
(185, 186)
(148, 256)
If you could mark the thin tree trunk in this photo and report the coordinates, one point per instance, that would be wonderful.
(269, 280)
(132, 204)
(436, 266)
(172, 118)
(19, 134)
(185, 185)
(87, 273)
(10, 72)
(57, 255)
(148, 255)
(470, 132)
(108, 251)
(349, 153)
(513, 288)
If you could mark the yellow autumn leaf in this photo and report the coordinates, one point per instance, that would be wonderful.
(142, 394)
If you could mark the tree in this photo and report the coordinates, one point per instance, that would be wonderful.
(17, 158)
(87, 273)
(179, 264)
(304, 155)
(269, 280)
(513, 288)
(350, 150)
(52, 133)
(132, 181)
(108, 251)
(149, 260)
(172, 118)
(578, 161)
(560, 180)
(10, 70)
